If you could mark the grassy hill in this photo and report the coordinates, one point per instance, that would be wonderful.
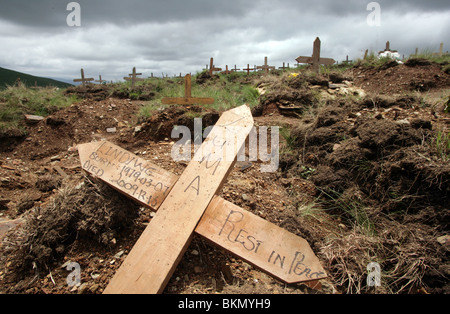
(9, 77)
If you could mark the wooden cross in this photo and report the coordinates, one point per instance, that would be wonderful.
(226, 71)
(235, 69)
(347, 61)
(248, 69)
(133, 77)
(315, 59)
(83, 79)
(261, 243)
(365, 54)
(100, 79)
(212, 68)
(283, 67)
(265, 67)
(187, 99)
(153, 259)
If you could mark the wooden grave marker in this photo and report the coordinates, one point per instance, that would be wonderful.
(226, 72)
(83, 80)
(235, 69)
(315, 60)
(153, 259)
(248, 69)
(265, 67)
(187, 99)
(272, 249)
(212, 68)
(100, 81)
(284, 67)
(133, 77)
(346, 61)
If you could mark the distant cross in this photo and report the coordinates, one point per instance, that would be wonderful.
(265, 67)
(187, 99)
(226, 71)
(441, 49)
(347, 61)
(248, 69)
(100, 79)
(133, 77)
(212, 68)
(365, 54)
(283, 67)
(315, 59)
(235, 69)
(83, 79)
(388, 47)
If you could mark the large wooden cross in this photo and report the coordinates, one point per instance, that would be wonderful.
(83, 80)
(316, 60)
(187, 99)
(212, 68)
(270, 248)
(265, 67)
(133, 77)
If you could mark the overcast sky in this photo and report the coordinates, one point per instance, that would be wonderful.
(173, 36)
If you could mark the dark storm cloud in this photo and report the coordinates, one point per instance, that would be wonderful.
(174, 36)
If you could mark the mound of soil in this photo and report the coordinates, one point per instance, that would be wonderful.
(393, 78)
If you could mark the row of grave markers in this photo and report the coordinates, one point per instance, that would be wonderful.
(315, 60)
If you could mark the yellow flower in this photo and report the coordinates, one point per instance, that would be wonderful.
(293, 75)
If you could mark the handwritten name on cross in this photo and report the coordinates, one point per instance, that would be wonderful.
(83, 80)
(265, 67)
(133, 77)
(187, 99)
(212, 68)
(315, 59)
(274, 250)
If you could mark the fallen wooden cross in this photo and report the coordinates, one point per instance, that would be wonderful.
(315, 59)
(265, 67)
(261, 243)
(153, 259)
(212, 68)
(133, 77)
(83, 80)
(187, 99)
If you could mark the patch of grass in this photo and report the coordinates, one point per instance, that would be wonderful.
(16, 101)
(442, 144)
(227, 90)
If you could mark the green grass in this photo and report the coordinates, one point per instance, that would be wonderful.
(17, 101)
(228, 92)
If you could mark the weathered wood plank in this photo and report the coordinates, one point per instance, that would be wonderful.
(280, 253)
